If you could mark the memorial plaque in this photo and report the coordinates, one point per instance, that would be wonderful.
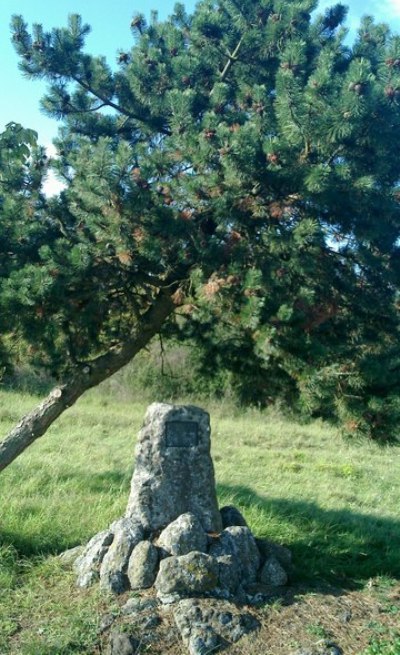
(182, 434)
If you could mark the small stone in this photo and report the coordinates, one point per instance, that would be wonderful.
(113, 569)
(122, 643)
(183, 535)
(187, 574)
(87, 565)
(231, 516)
(106, 622)
(238, 542)
(268, 548)
(150, 622)
(142, 566)
(346, 616)
(273, 574)
(330, 648)
(68, 557)
(137, 605)
(258, 594)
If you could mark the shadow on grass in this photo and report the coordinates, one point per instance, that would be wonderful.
(342, 547)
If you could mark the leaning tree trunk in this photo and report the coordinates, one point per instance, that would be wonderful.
(35, 424)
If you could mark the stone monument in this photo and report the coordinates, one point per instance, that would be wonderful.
(174, 473)
(198, 561)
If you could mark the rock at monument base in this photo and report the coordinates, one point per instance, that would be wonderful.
(122, 643)
(210, 625)
(87, 565)
(137, 605)
(231, 516)
(142, 565)
(272, 573)
(239, 543)
(174, 473)
(229, 575)
(183, 536)
(69, 557)
(269, 548)
(195, 573)
(127, 534)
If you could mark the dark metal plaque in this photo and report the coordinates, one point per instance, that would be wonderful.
(182, 434)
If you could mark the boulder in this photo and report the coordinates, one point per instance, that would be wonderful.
(183, 535)
(142, 565)
(113, 578)
(195, 573)
(239, 543)
(272, 573)
(87, 565)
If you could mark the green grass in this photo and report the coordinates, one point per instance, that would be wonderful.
(335, 504)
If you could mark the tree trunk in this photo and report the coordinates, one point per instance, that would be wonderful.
(35, 424)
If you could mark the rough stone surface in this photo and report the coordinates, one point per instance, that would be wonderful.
(269, 548)
(194, 573)
(87, 565)
(272, 573)
(229, 574)
(238, 542)
(174, 473)
(138, 605)
(231, 516)
(122, 643)
(113, 578)
(68, 557)
(207, 626)
(183, 535)
(142, 566)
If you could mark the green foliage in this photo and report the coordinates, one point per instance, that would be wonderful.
(247, 158)
(383, 647)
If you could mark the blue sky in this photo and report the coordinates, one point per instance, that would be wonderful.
(110, 31)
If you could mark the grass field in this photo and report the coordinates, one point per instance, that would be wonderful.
(334, 504)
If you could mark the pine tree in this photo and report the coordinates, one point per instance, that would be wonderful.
(235, 180)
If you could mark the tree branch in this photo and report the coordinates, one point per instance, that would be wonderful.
(35, 424)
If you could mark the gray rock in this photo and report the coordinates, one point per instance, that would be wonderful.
(239, 543)
(150, 622)
(195, 573)
(142, 566)
(174, 473)
(106, 622)
(258, 594)
(183, 535)
(87, 565)
(268, 548)
(231, 516)
(122, 643)
(113, 578)
(68, 557)
(209, 625)
(138, 605)
(272, 573)
(229, 576)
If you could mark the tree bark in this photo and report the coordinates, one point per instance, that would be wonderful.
(35, 423)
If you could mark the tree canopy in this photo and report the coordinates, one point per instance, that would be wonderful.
(234, 180)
